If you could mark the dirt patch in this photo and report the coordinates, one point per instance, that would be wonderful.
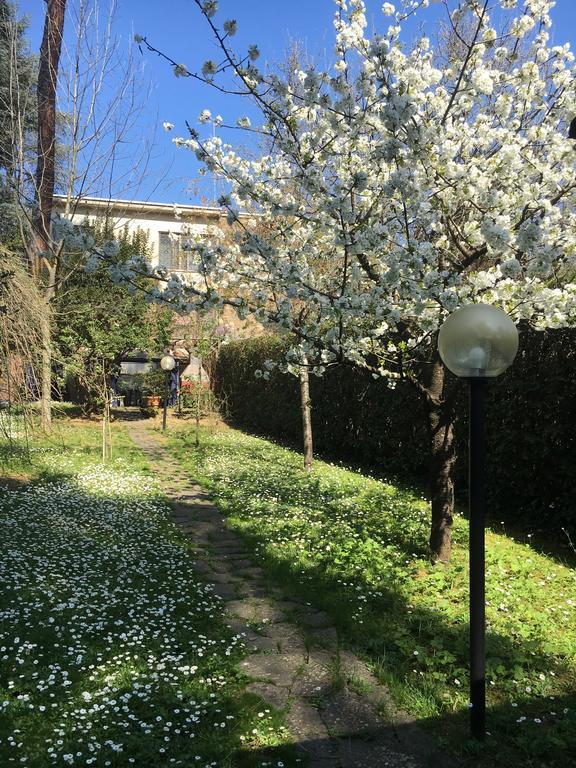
(14, 482)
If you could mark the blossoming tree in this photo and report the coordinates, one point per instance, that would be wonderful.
(399, 185)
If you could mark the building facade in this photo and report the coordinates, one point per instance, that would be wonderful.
(170, 229)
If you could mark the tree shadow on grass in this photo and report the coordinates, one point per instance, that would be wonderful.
(421, 654)
(416, 484)
(390, 744)
(542, 542)
(390, 630)
(548, 542)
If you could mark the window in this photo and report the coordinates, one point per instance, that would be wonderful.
(175, 253)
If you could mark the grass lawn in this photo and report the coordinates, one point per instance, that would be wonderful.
(112, 651)
(356, 547)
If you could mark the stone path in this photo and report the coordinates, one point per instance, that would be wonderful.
(335, 709)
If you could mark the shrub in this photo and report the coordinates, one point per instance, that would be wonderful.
(531, 422)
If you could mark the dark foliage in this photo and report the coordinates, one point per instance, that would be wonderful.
(531, 423)
(98, 322)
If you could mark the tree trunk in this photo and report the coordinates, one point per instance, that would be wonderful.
(40, 247)
(440, 415)
(46, 371)
(46, 91)
(46, 356)
(306, 406)
(198, 401)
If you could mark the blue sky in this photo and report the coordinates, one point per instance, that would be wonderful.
(176, 27)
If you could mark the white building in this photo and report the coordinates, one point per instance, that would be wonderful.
(169, 227)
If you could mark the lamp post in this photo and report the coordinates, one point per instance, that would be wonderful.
(477, 342)
(167, 363)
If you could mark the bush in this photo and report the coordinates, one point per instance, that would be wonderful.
(531, 422)
(195, 395)
(154, 382)
(148, 411)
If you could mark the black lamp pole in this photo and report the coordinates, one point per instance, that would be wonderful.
(477, 342)
(477, 510)
(166, 391)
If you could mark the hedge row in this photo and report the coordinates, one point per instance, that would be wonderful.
(531, 423)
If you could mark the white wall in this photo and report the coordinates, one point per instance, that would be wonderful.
(152, 218)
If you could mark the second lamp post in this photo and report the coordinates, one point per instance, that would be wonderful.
(167, 363)
(477, 342)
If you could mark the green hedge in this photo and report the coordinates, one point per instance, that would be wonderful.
(531, 423)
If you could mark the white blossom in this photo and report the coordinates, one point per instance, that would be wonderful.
(209, 68)
(210, 7)
(180, 70)
(401, 186)
(230, 27)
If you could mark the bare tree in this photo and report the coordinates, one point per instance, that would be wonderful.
(103, 96)
(91, 142)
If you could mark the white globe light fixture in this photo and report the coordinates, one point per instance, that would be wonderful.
(167, 363)
(477, 342)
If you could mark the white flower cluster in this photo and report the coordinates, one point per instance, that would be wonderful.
(109, 645)
(230, 27)
(400, 188)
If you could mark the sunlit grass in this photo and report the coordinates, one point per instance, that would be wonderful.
(113, 652)
(357, 547)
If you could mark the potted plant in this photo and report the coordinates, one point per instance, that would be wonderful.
(153, 388)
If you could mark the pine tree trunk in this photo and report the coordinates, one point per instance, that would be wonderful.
(306, 407)
(440, 414)
(45, 171)
(46, 94)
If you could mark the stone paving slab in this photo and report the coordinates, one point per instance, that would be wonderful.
(251, 590)
(309, 732)
(324, 636)
(255, 609)
(238, 562)
(361, 754)
(225, 591)
(288, 640)
(263, 643)
(251, 573)
(314, 619)
(332, 725)
(277, 697)
(241, 628)
(281, 671)
(346, 712)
